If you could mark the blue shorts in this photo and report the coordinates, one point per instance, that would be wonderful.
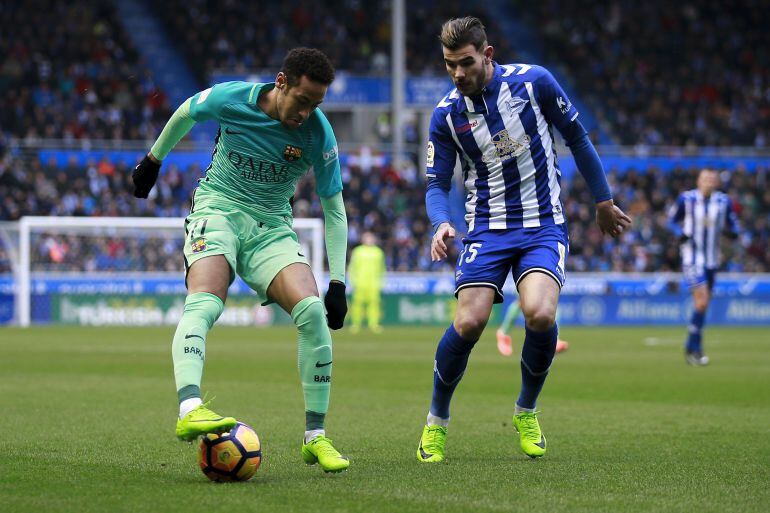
(488, 256)
(696, 276)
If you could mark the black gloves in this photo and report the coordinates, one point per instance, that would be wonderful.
(336, 305)
(145, 174)
(684, 238)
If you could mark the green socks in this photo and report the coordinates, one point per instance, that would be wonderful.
(201, 310)
(314, 357)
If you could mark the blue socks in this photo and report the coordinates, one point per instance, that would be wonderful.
(451, 359)
(696, 325)
(536, 357)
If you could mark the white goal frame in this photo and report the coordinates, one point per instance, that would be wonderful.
(29, 224)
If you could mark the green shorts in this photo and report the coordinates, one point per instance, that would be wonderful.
(256, 252)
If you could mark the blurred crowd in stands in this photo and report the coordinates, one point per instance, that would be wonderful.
(690, 74)
(241, 37)
(69, 71)
(389, 203)
(661, 73)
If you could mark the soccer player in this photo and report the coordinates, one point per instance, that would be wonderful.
(240, 223)
(366, 272)
(698, 218)
(504, 341)
(499, 119)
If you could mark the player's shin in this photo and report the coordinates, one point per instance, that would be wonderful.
(536, 357)
(451, 359)
(694, 336)
(188, 350)
(314, 359)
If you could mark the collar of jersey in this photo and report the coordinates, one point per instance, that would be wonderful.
(478, 104)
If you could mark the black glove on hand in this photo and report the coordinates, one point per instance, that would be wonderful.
(145, 174)
(684, 238)
(336, 305)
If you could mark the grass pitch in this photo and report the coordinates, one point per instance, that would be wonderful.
(88, 424)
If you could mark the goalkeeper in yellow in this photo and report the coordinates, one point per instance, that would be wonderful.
(240, 223)
(366, 272)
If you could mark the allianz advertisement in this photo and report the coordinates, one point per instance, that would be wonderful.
(408, 299)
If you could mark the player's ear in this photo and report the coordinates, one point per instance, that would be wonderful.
(489, 52)
(280, 81)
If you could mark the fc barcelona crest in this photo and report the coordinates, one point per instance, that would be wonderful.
(292, 153)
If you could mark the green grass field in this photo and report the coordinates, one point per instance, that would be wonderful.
(88, 418)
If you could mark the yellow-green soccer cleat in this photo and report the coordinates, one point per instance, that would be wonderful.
(201, 421)
(320, 450)
(432, 442)
(531, 438)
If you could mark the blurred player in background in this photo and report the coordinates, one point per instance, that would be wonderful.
(366, 272)
(699, 217)
(240, 223)
(504, 341)
(499, 119)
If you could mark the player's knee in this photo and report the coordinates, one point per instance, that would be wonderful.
(540, 318)
(204, 305)
(309, 315)
(470, 327)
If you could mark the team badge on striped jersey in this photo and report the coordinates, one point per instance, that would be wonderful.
(516, 104)
(507, 147)
(292, 153)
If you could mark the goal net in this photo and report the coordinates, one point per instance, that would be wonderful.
(121, 271)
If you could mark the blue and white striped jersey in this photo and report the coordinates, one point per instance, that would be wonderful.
(702, 220)
(505, 141)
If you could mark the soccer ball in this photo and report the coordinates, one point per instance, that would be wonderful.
(231, 456)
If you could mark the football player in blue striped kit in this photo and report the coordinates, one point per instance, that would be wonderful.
(699, 218)
(499, 120)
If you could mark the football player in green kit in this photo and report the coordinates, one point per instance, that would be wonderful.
(240, 223)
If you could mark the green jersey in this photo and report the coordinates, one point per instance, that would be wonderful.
(257, 162)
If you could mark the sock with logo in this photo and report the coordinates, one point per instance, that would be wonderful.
(536, 357)
(694, 336)
(451, 359)
(314, 354)
(188, 350)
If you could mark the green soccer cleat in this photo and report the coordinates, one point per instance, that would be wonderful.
(531, 438)
(431, 449)
(320, 450)
(201, 421)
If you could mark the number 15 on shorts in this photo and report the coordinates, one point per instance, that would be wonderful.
(469, 253)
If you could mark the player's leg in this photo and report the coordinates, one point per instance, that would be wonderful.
(474, 305)
(504, 340)
(539, 275)
(538, 294)
(294, 289)
(700, 288)
(481, 270)
(694, 346)
(373, 313)
(208, 246)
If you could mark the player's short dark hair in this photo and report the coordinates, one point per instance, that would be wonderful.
(309, 62)
(459, 32)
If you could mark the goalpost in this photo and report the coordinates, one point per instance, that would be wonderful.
(67, 256)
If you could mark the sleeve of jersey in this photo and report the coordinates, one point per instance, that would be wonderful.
(587, 160)
(177, 127)
(336, 231)
(554, 103)
(440, 163)
(326, 165)
(675, 216)
(210, 103)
